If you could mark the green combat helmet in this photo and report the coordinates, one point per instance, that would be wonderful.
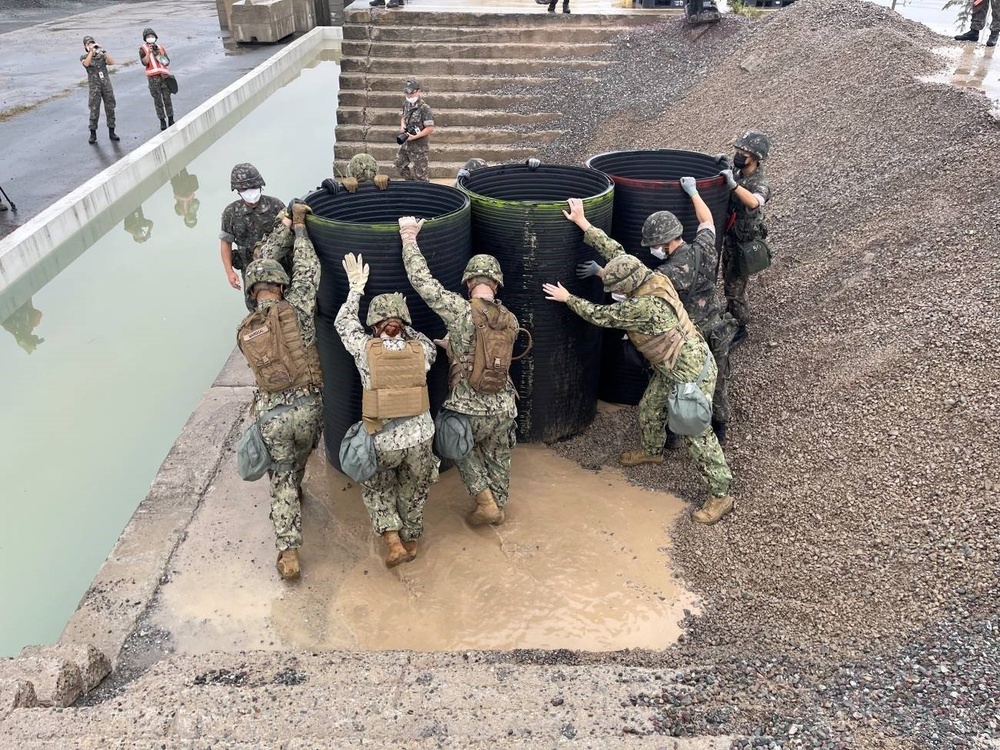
(87, 39)
(263, 269)
(660, 228)
(386, 306)
(362, 167)
(245, 177)
(483, 265)
(624, 274)
(755, 142)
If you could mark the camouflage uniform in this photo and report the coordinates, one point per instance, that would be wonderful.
(411, 161)
(490, 414)
(101, 90)
(407, 466)
(691, 269)
(748, 224)
(979, 15)
(245, 226)
(651, 315)
(291, 435)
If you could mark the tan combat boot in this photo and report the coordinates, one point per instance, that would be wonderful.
(714, 509)
(410, 547)
(636, 458)
(288, 564)
(395, 553)
(486, 510)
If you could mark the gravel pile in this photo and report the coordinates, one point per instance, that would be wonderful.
(865, 435)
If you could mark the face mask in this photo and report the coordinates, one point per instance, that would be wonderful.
(250, 196)
(150, 39)
(618, 297)
(412, 99)
(481, 291)
(739, 160)
(659, 251)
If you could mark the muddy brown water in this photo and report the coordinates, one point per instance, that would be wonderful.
(582, 563)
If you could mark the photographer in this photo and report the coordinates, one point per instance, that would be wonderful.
(416, 124)
(96, 60)
(154, 56)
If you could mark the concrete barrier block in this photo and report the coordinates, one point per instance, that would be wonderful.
(225, 10)
(94, 666)
(262, 20)
(56, 680)
(16, 693)
(305, 15)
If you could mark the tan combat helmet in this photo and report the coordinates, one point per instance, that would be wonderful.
(624, 274)
(483, 265)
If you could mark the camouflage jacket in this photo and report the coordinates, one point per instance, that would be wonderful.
(691, 269)
(97, 71)
(402, 433)
(750, 222)
(415, 118)
(456, 312)
(300, 294)
(245, 226)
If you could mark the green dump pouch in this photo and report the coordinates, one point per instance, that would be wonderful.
(358, 459)
(753, 256)
(452, 435)
(252, 457)
(690, 410)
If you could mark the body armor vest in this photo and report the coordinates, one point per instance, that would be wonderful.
(271, 341)
(398, 382)
(663, 348)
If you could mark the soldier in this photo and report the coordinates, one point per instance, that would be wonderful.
(416, 125)
(647, 308)
(96, 60)
(138, 226)
(278, 340)
(750, 191)
(186, 204)
(393, 362)
(21, 325)
(468, 168)
(364, 168)
(245, 222)
(154, 57)
(479, 388)
(979, 8)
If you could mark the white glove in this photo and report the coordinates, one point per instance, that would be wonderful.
(409, 228)
(730, 180)
(688, 186)
(357, 272)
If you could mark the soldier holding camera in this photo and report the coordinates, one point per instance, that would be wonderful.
(416, 124)
(96, 60)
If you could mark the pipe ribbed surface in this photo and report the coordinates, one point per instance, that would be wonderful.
(517, 217)
(366, 223)
(645, 182)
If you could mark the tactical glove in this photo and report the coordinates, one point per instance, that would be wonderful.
(351, 183)
(409, 228)
(381, 181)
(533, 164)
(588, 269)
(730, 180)
(357, 272)
(722, 160)
(688, 186)
(298, 210)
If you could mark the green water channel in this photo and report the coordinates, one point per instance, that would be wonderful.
(100, 370)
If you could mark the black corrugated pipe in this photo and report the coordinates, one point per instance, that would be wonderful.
(517, 217)
(366, 222)
(645, 182)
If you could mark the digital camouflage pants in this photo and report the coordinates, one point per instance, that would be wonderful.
(718, 332)
(704, 448)
(979, 8)
(488, 465)
(734, 285)
(290, 437)
(412, 163)
(101, 92)
(161, 97)
(396, 495)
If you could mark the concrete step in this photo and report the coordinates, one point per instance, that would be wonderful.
(449, 152)
(443, 116)
(538, 19)
(489, 35)
(474, 49)
(405, 66)
(448, 100)
(439, 170)
(434, 83)
(499, 136)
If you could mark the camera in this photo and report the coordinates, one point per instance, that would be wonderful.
(403, 137)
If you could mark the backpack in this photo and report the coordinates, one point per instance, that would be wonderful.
(262, 342)
(496, 330)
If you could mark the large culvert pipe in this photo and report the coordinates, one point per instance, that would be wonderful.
(367, 223)
(645, 182)
(517, 217)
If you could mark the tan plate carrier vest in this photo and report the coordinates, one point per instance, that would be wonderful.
(663, 348)
(398, 383)
(272, 344)
(487, 366)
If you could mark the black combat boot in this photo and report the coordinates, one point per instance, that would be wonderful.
(377, 3)
(170, 120)
(163, 124)
(565, 6)
(552, 6)
(972, 35)
(719, 428)
(112, 136)
(992, 41)
(739, 338)
(93, 137)
(392, 4)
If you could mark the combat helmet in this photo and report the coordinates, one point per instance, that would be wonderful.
(245, 177)
(362, 167)
(755, 142)
(90, 39)
(386, 306)
(263, 269)
(660, 228)
(483, 265)
(470, 166)
(149, 32)
(624, 274)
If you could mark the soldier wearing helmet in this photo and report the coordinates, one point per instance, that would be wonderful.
(162, 84)
(96, 61)
(278, 340)
(750, 191)
(480, 339)
(392, 359)
(647, 308)
(245, 222)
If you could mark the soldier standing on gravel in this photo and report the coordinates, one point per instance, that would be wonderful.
(278, 340)
(479, 402)
(647, 308)
(392, 361)
(979, 8)
(416, 125)
(750, 191)
(245, 222)
(96, 60)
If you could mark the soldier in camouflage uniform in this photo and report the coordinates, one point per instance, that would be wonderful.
(154, 58)
(364, 168)
(404, 446)
(486, 469)
(96, 60)
(289, 418)
(21, 325)
(647, 308)
(418, 123)
(246, 222)
(750, 191)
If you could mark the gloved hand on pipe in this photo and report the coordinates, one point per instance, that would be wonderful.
(357, 272)
(688, 186)
(588, 269)
(730, 180)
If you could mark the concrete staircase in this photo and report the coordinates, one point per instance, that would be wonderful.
(468, 64)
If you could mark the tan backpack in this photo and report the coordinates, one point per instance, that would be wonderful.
(496, 331)
(272, 344)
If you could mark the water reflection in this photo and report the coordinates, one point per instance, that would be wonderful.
(21, 326)
(138, 226)
(185, 186)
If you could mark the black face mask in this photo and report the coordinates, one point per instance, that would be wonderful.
(739, 160)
